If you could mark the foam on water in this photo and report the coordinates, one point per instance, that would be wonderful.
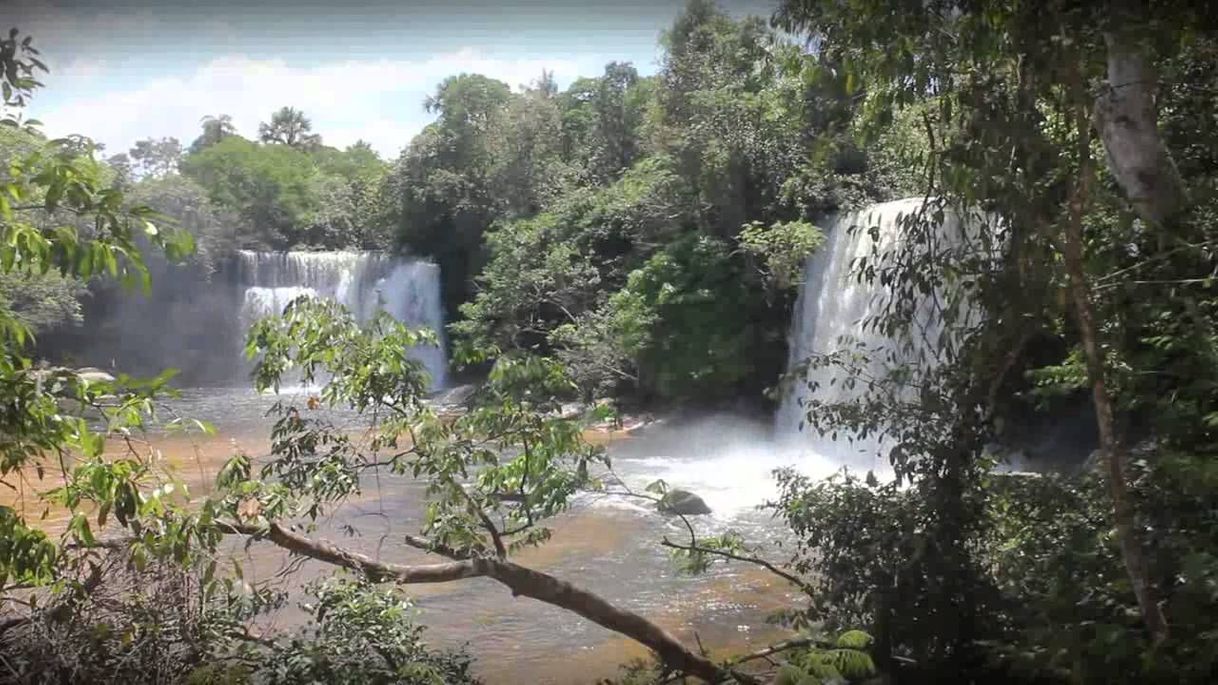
(728, 461)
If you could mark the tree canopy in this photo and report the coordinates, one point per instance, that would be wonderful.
(289, 126)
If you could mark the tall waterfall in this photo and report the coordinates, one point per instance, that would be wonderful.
(364, 282)
(829, 317)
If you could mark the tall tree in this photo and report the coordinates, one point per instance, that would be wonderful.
(441, 190)
(1018, 91)
(215, 129)
(289, 126)
(122, 167)
(1126, 116)
(603, 120)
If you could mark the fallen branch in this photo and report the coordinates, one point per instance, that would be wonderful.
(519, 579)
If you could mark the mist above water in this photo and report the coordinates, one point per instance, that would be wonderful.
(728, 460)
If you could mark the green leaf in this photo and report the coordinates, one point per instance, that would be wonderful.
(854, 639)
(790, 674)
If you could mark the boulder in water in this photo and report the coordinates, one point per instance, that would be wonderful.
(682, 502)
(639, 425)
(92, 374)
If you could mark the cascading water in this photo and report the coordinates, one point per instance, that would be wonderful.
(364, 282)
(729, 461)
(829, 317)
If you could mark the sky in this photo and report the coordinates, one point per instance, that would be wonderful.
(124, 70)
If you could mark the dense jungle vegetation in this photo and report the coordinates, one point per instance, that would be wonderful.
(642, 238)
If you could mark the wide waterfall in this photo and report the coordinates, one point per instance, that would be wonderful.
(196, 316)
(364, 282)
(829, 317)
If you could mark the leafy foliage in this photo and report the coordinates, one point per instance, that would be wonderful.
(669, 318)
(361, 634)
(164, 623)
(493, 474)
(845, 660)
(291, 195)
(874, 557)
(782, 248)
(60, 218)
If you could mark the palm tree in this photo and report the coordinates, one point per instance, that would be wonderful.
(289, 126)
(215, 129)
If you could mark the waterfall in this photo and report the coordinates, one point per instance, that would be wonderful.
(829, 316)
(364, 282)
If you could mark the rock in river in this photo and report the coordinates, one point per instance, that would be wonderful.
(682, 502)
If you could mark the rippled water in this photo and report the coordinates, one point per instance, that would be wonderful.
(605, 543)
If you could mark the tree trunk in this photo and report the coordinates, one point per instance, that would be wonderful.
(1110, 441)
(1127, 120)
(520, 580)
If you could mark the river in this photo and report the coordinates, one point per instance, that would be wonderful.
(604, 543)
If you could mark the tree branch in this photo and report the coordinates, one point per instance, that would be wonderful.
(793, 643)
(376, 570)
(789, 577)
(520, 580)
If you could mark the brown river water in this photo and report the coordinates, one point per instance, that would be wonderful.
(608, 545)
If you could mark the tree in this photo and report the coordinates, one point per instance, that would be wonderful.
(185, 203)
(440, 195)
(123, 171)
(476, 523)
(1015, 94)
(271, 187)
(524, 148)
(289, 126)
(40, 302)
(669, 318)
(215, 129)
(156, 158)
(42, 193)
(1126, 116)
(551, 269)
(603, 121)
(288, 196)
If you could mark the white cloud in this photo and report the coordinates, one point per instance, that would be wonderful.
(377, 100)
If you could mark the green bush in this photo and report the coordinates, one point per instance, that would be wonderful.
(1049, 587)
